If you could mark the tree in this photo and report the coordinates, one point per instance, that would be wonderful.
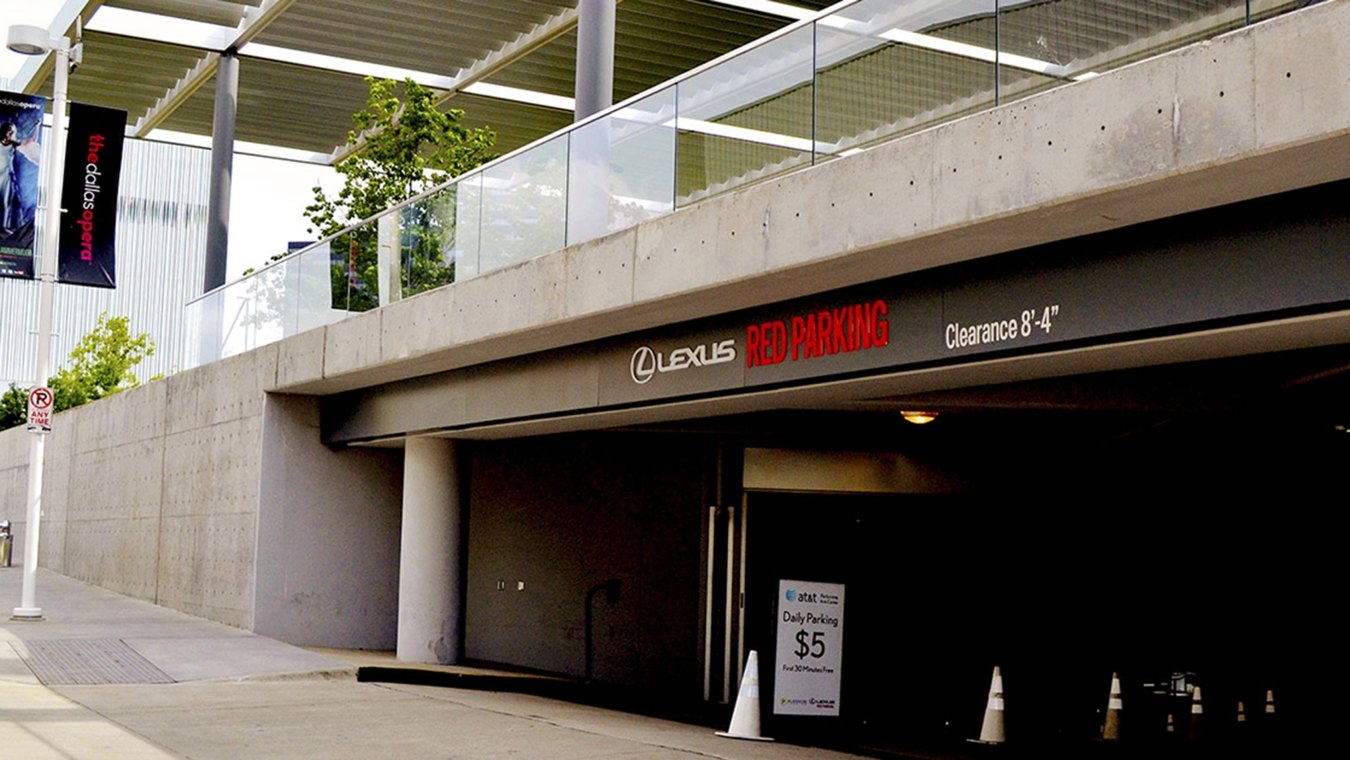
(100, 365)
(405, 146)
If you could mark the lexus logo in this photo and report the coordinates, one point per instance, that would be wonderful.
(643, 365)
(646, 362)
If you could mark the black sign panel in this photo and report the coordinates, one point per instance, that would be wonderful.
(89, 196)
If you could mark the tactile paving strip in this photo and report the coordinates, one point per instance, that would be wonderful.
(68, 662)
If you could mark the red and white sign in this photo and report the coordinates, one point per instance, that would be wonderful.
(40, 402)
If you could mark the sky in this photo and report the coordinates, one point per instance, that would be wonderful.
(269, 195)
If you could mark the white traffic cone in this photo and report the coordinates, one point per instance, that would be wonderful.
(745, 716)
(992, 729)
(1114, 704)
(1197, 709)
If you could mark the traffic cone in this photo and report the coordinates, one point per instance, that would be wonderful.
(1197, 709)
(1241, 713)
(745, 716)
(1111, 730)
(1270, 701)
(992, 729)
(1171, 725)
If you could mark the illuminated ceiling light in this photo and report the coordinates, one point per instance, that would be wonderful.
(157, 28)
(770, 8)
(974, 52)
(919, 418)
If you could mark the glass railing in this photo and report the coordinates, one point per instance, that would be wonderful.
(860, 73)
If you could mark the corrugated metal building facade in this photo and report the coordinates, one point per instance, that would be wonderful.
(161, 247)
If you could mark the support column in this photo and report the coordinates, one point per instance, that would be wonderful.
(595, 56)
(430, 586)
(222, 169)
(588, 175)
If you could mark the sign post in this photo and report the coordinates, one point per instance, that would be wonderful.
(32, 40)
(810, 648)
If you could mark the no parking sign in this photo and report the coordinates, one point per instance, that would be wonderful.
(40, 401)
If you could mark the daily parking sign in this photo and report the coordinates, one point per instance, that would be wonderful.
(810, 648)
(40, 410)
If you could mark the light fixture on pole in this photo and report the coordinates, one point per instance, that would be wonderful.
(34, 40)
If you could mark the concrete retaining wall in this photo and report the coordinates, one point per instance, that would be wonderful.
(154, 492)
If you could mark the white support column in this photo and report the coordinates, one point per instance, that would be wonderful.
(429, 583)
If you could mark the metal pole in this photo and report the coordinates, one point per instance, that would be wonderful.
(55, 166)
(222, 169)
(595, 56)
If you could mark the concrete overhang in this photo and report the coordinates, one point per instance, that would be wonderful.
(1259, 111)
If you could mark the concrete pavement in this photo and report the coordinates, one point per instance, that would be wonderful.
(107, 676)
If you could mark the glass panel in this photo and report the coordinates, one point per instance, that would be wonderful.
(355, 270)
(886, 68)
(621, 169)
(245, 314)
(746, 119)
(1045, 44)
(468, 225)
(202, 314)
(312, 274)
(1264, 9)
(426, 243)
(525, 206)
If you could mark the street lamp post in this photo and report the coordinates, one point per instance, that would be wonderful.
(33, 40)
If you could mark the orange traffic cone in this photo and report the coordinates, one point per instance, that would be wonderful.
(1241, 713)
(1270, 701)
(1111, 730)
(992, 729)
(745, 716)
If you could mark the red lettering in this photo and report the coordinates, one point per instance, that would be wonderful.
(752, 334)
(882, 331)
(779, 341)
(798, 338)
(825, 334)
(840, 342)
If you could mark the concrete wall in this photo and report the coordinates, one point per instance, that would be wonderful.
(564, 514)
(174, 492)
(154, 492)
(328, 535)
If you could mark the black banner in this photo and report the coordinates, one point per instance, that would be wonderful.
(89, 195)
(20, 157)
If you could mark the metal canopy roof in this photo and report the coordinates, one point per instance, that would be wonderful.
(165, 78)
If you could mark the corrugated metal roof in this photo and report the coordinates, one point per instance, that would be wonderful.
(309, 109)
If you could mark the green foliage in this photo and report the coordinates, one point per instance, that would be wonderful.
(13, 407)
(405, 147)
(100, 365)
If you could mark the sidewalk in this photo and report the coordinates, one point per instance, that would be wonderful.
(107, 676)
